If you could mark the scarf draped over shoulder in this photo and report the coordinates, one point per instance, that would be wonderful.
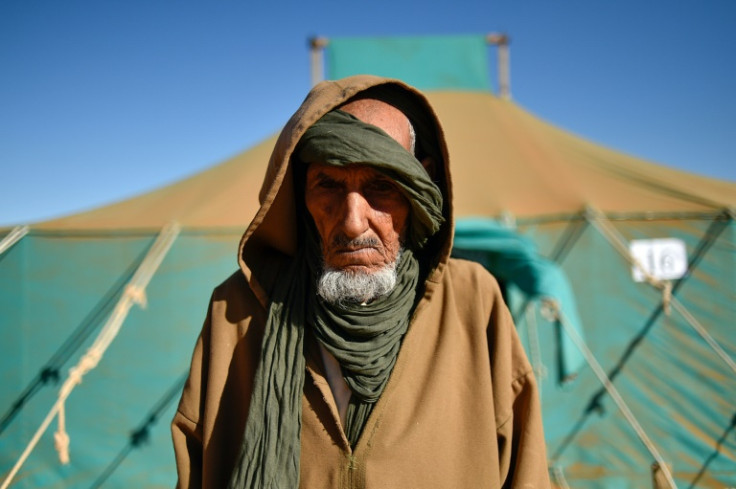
(365, 339)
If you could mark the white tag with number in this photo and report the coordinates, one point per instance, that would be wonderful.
(664, 259)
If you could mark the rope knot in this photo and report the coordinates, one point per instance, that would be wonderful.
(550, 309)
(61, 443)
(137, 294)
(61, 438)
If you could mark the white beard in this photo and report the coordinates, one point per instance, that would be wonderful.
(338, 287)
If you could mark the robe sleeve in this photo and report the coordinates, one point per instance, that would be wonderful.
(521, 440)
(186, 429)
(521, 444)
(187, 438)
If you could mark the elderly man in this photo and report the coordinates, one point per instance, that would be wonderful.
(350, 350)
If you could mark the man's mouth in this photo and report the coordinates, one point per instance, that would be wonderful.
(356, 249)
(354, 257)
(363, 255)
(355, 246)
(342, 241)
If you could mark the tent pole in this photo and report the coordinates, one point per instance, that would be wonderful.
(316, 56)
(504, 71)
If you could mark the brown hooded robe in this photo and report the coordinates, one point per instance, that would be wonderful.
(461, 407)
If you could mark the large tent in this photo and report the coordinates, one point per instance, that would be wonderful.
(661, 347)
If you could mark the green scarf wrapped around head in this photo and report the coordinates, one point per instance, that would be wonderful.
(341, 139)
(364, 339)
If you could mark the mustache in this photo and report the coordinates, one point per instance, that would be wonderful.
(342, 241)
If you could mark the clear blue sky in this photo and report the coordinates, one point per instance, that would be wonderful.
(101, 100)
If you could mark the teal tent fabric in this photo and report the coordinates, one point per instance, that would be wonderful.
(681, 393)
(514, 261)
(56, 292)
(678, 389)
(426, 62)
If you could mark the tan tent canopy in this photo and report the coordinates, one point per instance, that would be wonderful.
(505, 160)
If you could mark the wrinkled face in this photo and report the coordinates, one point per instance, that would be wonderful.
(360, 214)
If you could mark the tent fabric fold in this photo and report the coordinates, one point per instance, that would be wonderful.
(514, 261)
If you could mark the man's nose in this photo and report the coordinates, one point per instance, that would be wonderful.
(355, 214)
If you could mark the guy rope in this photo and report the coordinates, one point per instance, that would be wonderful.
(552, 310)
(12, 237)
(134, 293)
(603, 225)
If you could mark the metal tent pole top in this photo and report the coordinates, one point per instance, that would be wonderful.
(317, 45)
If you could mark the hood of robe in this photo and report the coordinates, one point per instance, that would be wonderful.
(273, 235)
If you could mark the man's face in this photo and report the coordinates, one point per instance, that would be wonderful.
(360, 214)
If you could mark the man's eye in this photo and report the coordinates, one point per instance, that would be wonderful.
(383, 186)
(327, 183)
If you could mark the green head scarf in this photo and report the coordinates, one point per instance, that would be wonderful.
(340, 139)
(365, 339)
